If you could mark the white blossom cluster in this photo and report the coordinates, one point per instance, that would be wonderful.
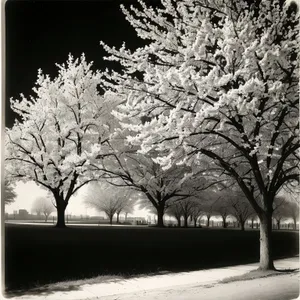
(216, 77)
(62, 131)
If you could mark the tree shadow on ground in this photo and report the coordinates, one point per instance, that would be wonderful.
(256, 274)
(286, 270)
(42, 291)
(64, 286)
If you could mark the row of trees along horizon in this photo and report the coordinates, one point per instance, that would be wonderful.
(209, 106)
(114, 202)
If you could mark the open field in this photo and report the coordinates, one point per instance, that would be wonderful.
(37, 255)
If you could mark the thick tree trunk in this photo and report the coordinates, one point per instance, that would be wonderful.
(178, 221)
(266, 260)
(60, 207)
(195, 222)
(118, 217)
(160, 216)
(185, 221)
(242, 225)
(252, 223)
(60, 216)
(110, 220)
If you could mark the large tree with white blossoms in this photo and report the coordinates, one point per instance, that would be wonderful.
(217, 82)
(63, 129)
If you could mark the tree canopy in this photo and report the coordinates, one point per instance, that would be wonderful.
(216, 83)
(62, 131)
(9, 193)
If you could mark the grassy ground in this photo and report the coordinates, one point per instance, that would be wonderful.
(36, 255)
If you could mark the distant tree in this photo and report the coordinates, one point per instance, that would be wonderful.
(43, 205)
(134, 198)
(196, 211)
(208, 211)
(175, 210)
(9, 193)
(125, 204)
(186, 209)
(232, 201)
(286, 207)
(222, 206)
(293, 212)
(140, 173)
(189, 208)
(253, 218)
(240, 208)
(108, 199)
(129, 208)
(293, 205)
(279, 212)
(36, 208)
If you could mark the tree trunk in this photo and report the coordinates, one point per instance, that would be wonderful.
(295, 223)
(252, 223)
(160, 216)
(126, 216)
(111, 219)
(207, 223)
(266, 260)
(178, 221)
(224, 225)
(185, 221)
(195, 222)
(60, 216)
(118, 215)
(278, 224)
(46, 218)
(242, 225)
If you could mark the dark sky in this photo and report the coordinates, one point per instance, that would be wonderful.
(42, 33)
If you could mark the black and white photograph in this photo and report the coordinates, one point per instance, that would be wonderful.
(150, 150)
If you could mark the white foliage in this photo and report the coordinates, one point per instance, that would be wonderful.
(63, 128)
(215, 77)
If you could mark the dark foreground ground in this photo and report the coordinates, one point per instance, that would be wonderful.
(36, 255)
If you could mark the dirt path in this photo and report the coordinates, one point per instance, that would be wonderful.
(281, 287)
(194, 285)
